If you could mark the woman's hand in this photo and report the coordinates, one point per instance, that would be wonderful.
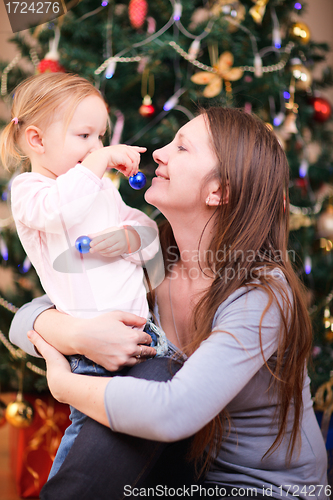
(58, 368)
(84, 392)
(111, 341)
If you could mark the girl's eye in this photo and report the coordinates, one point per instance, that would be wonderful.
(85, 136)
(181, 148)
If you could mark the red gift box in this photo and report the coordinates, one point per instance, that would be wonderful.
(32, 449)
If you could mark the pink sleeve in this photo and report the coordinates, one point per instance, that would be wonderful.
(42, 204)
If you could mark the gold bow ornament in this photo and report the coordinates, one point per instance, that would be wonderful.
(258, 10)
(47, 437)
(222, 71)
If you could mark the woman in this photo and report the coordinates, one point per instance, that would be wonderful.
(231, 302)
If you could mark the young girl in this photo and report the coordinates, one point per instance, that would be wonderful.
(58, 124)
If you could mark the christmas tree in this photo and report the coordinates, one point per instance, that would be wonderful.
(156, 62)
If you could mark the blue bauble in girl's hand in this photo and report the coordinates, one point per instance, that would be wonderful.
(137, 181)
(82, 244)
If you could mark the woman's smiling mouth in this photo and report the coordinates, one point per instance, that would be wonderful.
(161, 175)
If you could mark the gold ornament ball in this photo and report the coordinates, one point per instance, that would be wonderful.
(302, 75)
(300, 32)
(325, 223)
(19, 414)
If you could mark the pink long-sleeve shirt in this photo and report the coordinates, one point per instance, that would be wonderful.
(50, 214)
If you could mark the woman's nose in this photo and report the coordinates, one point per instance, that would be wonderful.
(159, 155)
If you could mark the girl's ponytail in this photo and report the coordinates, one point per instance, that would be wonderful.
(10, 154)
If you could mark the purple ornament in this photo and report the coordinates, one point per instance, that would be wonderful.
(137, 181)
(82, 244)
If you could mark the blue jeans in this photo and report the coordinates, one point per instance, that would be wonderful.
(84, 366)
(101, 461)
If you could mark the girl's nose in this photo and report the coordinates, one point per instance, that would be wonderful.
(97, 144)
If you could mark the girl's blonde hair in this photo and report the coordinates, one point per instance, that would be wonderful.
(35, 102)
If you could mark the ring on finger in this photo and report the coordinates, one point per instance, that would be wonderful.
(139, 355)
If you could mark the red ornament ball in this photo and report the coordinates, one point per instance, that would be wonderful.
(146, 110)
(322, 109)
(137, 12)
(50, 66)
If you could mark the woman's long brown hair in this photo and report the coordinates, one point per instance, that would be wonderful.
(253, 167)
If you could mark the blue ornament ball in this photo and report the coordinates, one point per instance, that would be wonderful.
(82, 244)
(137, 181)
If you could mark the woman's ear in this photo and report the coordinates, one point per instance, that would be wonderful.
(215, 198)
(34, 139)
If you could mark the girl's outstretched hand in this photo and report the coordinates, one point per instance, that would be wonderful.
(58, 368)
(124, 158)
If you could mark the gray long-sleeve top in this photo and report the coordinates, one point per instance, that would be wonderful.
(226, 371)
